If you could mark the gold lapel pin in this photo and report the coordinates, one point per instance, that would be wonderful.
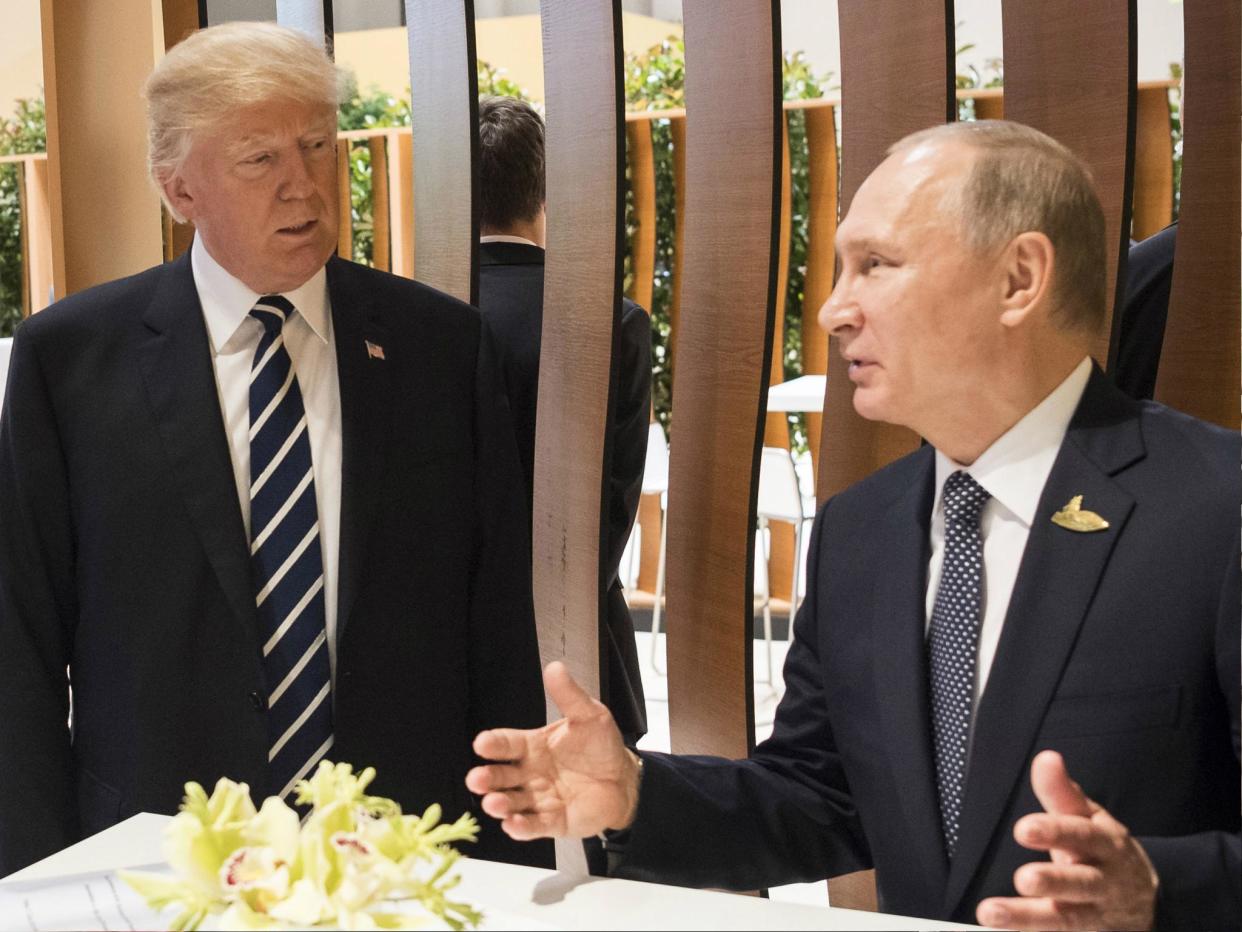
(1073, 517)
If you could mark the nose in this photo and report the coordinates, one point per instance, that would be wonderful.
(840, 313)
(298, 183)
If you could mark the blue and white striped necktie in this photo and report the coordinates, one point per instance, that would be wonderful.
(286, 559)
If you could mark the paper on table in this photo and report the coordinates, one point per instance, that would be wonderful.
(97, 901)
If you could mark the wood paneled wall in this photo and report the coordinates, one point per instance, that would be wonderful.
(727, 310)
(444, 115)
(1200, 358)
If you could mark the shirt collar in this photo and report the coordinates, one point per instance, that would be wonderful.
(227, 302)
(1015, 468)
(506, 238)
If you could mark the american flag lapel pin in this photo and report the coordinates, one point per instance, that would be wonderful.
(374, 350)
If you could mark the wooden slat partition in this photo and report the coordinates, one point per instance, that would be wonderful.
(400, 204)
(821, 141)
(896, 78)
(444, 115)
(35, 228)
(1047, 65)
(345, 224)
(381, 208)
(581, 316)
(728, 302)
(1153, 161)
(1199, 361)
(677, 128)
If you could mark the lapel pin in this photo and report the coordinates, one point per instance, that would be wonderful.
(374, 350)
(1073, 517)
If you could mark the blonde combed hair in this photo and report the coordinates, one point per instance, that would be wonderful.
(1025, 181)
(205, 79)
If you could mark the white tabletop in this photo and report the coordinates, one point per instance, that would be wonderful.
(805, 393)
(513, 896)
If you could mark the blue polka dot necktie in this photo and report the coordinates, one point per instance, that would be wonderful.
(286, 560)
(953, 643)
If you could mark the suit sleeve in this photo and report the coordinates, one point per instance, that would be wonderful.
(784, 815)
(1201, 875)
(631, 415)
(38, 612)
(506, 686)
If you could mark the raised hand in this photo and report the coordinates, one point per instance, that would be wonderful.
(573, 778)
(1099, 876)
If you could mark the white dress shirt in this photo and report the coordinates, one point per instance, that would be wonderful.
(1014, 471)
(507, 238)
(234, 337)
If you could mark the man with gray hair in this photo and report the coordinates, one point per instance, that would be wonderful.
(1049, 587)
(259, 506)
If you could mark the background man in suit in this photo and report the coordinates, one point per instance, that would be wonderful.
(1049, 587)
(261, 504)
(511, 186)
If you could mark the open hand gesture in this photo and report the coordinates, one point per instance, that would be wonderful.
(573, 778)
(1099, 876)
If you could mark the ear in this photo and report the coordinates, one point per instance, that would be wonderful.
(1028, 263)
(178, 194)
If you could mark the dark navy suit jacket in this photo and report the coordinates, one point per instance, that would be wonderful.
(125, 570)
(1120, 649)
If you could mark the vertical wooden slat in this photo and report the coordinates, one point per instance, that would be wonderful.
(776, 423)
(640, 157)
(401, 203)
(641, 161)
(23, 211)
(95, 58)
(36, 232)
(1092, 65)
(444, 114)
(896, 78)
(1153, 162)
(1199, 360)
(677, 129)
(821, 143)
(345, 225)
(581, 316)
(720, 379)
(380, 210)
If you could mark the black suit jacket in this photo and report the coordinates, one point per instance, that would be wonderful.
(511, 299)
(1149, 279)
(1120, 650)
(124, 561)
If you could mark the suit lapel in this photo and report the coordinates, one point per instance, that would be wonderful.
(1057, 580)
(901, 670)
(365, 408)
(177, 370)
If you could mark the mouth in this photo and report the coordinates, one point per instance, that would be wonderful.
(298, 229)
(860, 367)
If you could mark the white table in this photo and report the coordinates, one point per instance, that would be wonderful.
(529, 896)
(805, 393)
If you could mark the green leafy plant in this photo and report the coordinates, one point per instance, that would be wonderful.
(23, 133)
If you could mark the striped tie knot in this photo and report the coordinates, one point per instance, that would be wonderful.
(272, 310)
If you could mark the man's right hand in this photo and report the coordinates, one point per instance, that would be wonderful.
(573, 778)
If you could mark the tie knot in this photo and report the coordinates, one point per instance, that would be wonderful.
(964, 498)
(272, 310)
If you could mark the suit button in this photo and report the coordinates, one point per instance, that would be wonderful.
(258, 701)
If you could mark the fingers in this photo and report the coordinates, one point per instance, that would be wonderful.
(1054, 789)
(527, 826)
(573, 701)
(1019, 913)
(502, 744)
(1081, 839)
(1069, 883)
(495, 777)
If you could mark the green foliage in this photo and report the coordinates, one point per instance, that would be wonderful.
(655, 80)
(24, 132)
(1175, 122)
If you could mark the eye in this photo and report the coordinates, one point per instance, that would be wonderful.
(258, 159)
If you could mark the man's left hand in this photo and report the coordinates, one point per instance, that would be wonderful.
(1099, 876)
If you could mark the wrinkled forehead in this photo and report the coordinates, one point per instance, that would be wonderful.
(913, 190)
(268, 122)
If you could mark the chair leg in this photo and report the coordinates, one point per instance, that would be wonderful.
(657, 609)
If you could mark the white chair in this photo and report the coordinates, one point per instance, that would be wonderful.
(780, 498)
(655, 482)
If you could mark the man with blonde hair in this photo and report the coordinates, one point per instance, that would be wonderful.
(1049, 587)
(260, 506)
